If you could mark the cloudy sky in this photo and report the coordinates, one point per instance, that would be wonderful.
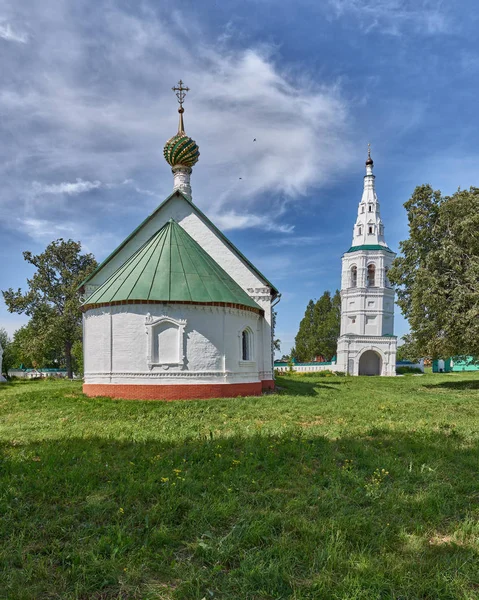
(86, 106)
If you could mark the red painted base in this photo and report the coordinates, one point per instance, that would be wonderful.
(176, 392)
(268, 384)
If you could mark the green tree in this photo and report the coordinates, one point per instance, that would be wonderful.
(327, 320)
(33, 346)
(319, 330)
(13, 350)
(408, 350)
(437, 276)
(52, 301)
(6, 344)
(305, 338)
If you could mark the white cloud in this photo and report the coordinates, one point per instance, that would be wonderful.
(394, 17)
(83, 121)
(233, 220)
(7, 33)
(45, 229)
(71, 189)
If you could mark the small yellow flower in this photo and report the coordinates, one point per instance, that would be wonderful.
(165, 479)
(121, 510)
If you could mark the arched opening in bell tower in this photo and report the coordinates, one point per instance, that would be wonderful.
(371, 275)
(354, 276)
(370, 363)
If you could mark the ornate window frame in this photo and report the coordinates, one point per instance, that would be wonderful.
(151, 323)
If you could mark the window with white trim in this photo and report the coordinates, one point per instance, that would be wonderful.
(246, 344)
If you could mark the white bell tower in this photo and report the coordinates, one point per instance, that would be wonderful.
(367, 344)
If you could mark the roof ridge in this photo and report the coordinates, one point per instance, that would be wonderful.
(174, 229)
(207, 221)
(157, 263)
(207, 283)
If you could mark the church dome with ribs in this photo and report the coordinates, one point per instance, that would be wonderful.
(181, 150)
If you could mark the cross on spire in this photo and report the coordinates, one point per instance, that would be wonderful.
(369, 161)
(180, 91)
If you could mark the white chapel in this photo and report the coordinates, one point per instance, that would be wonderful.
(177, 311)
(367, 344)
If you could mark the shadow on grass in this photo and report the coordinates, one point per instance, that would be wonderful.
(302, 387)
(462, 384)
(384, 515)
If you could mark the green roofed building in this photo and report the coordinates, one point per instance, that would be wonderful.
(176, 310)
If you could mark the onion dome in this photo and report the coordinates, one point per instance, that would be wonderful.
(181, 150)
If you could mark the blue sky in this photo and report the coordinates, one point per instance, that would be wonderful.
(86, 106)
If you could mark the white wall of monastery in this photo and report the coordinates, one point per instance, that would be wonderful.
(118, 345)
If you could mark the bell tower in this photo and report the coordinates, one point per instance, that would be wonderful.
(367, 345)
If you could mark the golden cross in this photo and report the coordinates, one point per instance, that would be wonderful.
(180, 92)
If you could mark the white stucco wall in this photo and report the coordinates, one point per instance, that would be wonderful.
(117, 342)
(367, 310)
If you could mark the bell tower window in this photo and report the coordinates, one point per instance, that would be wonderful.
(370, 230)
(371, 276)
(354, 276)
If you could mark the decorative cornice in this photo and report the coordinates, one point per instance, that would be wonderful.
(174, 374)
(199, 305)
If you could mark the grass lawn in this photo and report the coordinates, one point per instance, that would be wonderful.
(335, 488)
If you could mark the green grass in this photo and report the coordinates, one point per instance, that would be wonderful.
(336, 488)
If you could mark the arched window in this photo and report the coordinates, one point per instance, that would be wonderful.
(246, 345)
(370, 208)
(354, 276)
(359, 230)
(371, 229)
(386, 280)
(371, 276)
(362, 208)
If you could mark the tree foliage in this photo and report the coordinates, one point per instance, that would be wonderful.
(437, 276)
(52, 301)
(408, 350)
(6, 344)
(319, 329)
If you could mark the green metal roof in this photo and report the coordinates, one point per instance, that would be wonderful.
(171, 267)
(205, 218)
(369, 247)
